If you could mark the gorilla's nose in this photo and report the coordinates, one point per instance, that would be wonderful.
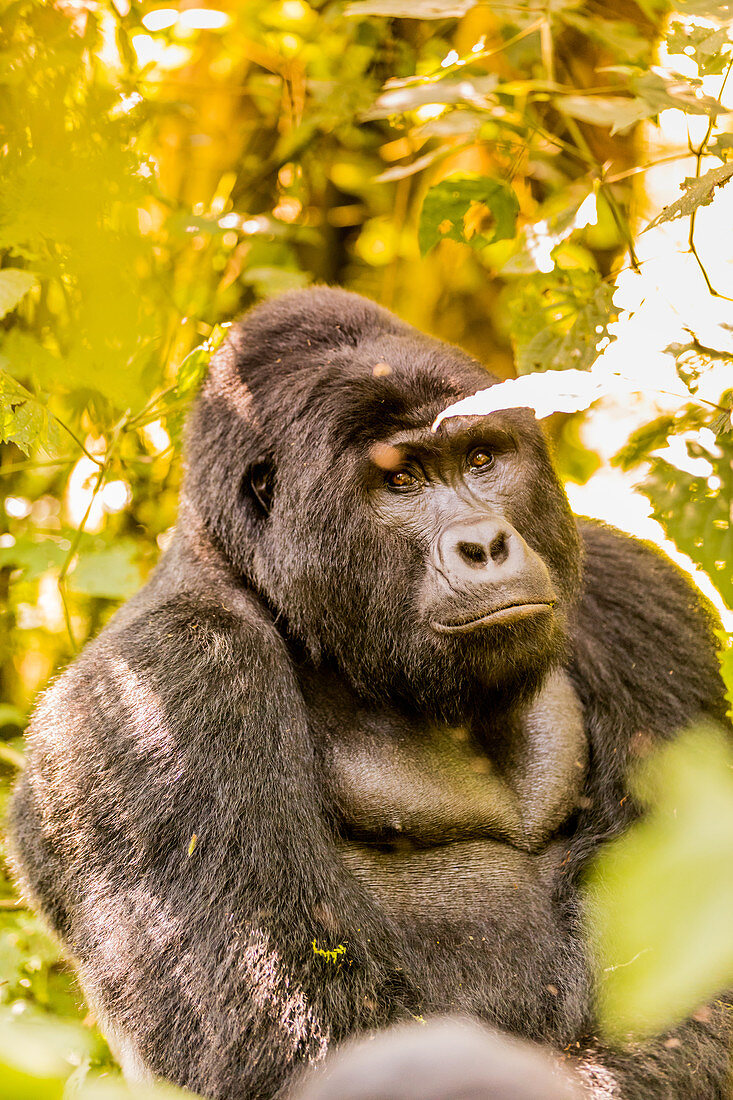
(484, 550)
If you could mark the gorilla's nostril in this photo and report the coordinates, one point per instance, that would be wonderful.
(473, 553)
(499, 549)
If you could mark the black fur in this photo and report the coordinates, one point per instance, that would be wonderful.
(177, 824)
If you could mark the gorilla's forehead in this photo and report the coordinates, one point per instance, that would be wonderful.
(387, 384)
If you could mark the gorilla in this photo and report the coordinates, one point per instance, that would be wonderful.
(331, 779)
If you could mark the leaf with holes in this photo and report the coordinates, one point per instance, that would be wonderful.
(698, 192)
(26, 421)
(558, 319)
(446, 206)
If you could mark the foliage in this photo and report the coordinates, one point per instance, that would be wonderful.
(679, 860)
(157, 177)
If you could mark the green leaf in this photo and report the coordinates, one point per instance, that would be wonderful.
(269, 281)
(24, 420)
(698, 192)
(721, 147)
(659, 900)
(34, 557)
(649, 437)
(558, 319)
(193, 367)
(106, 1088)
(14, 285)
(11, 716)
(708, 9)
(708, 46)
(694, 509)
(111, 573)
(446, 205)
(683, 93)
(412, 9)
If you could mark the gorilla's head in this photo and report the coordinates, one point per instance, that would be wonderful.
(432, 568)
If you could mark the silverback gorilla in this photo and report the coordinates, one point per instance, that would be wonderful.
(341, 763)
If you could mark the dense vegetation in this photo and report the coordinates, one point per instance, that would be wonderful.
(480, 169)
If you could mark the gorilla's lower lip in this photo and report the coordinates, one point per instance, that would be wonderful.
(510, 614)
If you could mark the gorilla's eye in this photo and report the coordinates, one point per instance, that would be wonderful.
(401, 481)
(480, 459)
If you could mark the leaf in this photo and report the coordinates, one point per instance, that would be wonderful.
(193, 367)
(11, 716)
(698, 192)
(111, 573)
(659, 899)
(696, 516)
(721, 147)
(14, 285)
(647, 438)
(683, 93)
(558, 319)
(34, 557)
(402, 171)
(269, 281)
(707, 44)
(412, 9)
(614, 111)
(24, 420)
(40, 1049)
(546, 392)
(446, 205)
(708, 9)
(473, 92)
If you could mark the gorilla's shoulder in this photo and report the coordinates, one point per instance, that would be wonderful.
(624, 571)
(643, 624)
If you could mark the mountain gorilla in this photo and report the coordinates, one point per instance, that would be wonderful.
(341, 762)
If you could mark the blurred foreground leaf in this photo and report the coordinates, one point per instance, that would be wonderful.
(659, 900)
(111, 572)
(42, 1058)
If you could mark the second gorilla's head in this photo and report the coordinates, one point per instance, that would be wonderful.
(430, 568)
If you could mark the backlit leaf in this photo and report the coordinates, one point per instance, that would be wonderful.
(14, 285)
(412, 9)
(698, 192)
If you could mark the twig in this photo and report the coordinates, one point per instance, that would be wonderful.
(698, 154)
(31, 464)
(103, 469)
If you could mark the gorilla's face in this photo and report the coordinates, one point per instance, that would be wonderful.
(429, 568)
(432, 568)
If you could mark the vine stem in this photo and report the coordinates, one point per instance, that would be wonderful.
(104, 465)
(698, 154)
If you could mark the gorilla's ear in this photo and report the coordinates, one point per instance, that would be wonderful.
(258, 486)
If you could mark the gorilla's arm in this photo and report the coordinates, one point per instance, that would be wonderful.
(167, 828)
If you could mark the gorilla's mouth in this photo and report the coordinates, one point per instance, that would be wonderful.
(512, 613)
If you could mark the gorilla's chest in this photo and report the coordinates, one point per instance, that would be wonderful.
(441, 818)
